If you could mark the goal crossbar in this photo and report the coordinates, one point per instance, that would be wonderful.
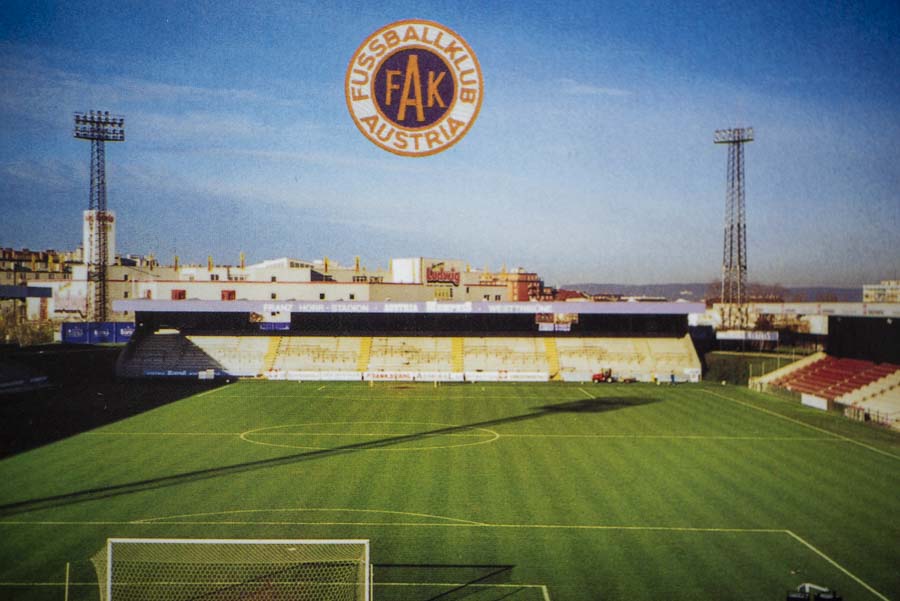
(167, 569)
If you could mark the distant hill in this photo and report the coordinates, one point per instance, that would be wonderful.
(697, 292)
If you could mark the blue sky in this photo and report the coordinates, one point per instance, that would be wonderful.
(591, 160)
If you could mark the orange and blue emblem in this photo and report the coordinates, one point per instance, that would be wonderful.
(414, 88)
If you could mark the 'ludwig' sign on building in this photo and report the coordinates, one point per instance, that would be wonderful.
(441, 275)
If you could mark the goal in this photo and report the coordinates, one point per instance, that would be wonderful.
(132, 569)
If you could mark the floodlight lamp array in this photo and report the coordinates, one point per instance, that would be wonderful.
(734, 135)
(99, 125)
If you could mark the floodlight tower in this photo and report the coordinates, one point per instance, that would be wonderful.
(99, 127)
(734, 262)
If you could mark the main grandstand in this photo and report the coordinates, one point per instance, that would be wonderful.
(424, 341)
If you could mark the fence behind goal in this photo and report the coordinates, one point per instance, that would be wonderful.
(233, 570)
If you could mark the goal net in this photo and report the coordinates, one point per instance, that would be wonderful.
(233, 570)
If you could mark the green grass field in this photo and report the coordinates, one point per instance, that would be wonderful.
(517, 492)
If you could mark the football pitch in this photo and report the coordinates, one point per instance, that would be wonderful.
(520, 492)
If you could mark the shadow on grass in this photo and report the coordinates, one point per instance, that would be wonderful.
(104, 492)
(441, 582)
(597, 405)
(84, 395)
(393, 582)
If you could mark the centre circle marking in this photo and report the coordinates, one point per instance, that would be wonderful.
(489, 435)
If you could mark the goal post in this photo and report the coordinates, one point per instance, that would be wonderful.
(144, 569)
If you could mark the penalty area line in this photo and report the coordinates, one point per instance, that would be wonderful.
(545, 592)
(175, 520)
(854, 577)
(466, 524)
(473, 585)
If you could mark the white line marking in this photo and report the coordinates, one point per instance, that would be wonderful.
(302, 433)
(804, 424)
(210, 391)
(313, 509)
(837, 565)
(674, 437)
(482, 436)
(427, 435)
(31, 584)
(542, 587)
(367, 434)
(457, 524)
(589, 395)
(473, 434)
(104, 433)
(481, 585)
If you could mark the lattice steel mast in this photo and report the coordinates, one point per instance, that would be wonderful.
(99, 127)
(734, 262)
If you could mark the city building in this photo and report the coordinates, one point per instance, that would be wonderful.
(282, 279)
(888, 291)
(523, 285)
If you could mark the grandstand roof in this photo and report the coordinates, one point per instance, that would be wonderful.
(836, 309)
(237, 306)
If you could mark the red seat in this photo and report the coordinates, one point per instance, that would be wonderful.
(831, 377)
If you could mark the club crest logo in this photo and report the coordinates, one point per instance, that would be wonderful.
(414, 88)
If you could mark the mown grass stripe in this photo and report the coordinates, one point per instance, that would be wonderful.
(804, 424)
(158, 522)
(635, 473)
